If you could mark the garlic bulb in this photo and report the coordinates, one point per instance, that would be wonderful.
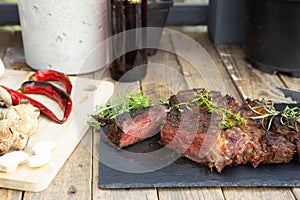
(2, 68)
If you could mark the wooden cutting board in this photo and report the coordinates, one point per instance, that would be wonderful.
(86, 94)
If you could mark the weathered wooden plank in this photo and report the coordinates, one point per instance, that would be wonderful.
(10, 194)
(164, 77)
(115, 194)
(194, 63)
(14, 56)
(121, 88)
(165, 54)
(223, 82)
(290, 82)
(250, 82)
(199, 67)
(4, 40)
(74, 179)
(233, 193)
(130, 194)
(296, 192)
(191, 193)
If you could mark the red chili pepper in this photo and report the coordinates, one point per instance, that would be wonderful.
(18, 98)
(53, 92)
(52, 75)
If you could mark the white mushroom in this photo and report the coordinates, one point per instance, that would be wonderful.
(19, 140)
(5, 136)
(2, 114)
(24, 117)
(18, 124)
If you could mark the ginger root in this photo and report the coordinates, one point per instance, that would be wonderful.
(17, 125)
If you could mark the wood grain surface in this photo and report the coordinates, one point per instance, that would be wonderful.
(240, 80)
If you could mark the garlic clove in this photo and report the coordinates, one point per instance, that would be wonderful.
(10, 161)
(43, 146)
(20, 156)
(8, 167)
(2, 68)
(39, 160)
(17, 156)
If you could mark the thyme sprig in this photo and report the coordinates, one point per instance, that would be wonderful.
(228, 118)
(134, 101)
(289, 117)
(125, 103)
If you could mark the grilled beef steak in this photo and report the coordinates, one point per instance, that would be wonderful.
(131, 127)
(189, 129)
(196, 134)
(286, 132)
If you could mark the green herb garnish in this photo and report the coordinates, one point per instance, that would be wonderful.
(125, 103)
(135, 101)
(228, 118)
(289, 117)
(165, 101)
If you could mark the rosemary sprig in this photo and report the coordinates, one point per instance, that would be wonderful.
(270, 112)
(289, 117)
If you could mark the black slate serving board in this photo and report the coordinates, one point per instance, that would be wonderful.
(183, 172)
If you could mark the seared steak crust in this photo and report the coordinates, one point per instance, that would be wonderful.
(286, 132)
(195, 133)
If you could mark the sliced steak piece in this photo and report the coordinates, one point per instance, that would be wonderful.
(280, 129)
(286, 132)
(195, 133)
(131, 127)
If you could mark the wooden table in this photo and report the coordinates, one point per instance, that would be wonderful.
(79, 176)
